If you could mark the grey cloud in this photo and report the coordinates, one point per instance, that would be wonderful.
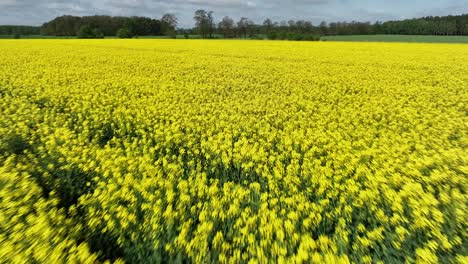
(35, 12)
(139, 4)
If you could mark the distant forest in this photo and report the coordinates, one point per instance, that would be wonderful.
(98, 26)
(446, 25)
(110, 26)
(207, 27)
(19, 30)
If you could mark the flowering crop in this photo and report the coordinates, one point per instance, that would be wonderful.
(232, 151)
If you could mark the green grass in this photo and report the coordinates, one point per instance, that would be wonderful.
(55, 37)
(399, 38)
(363, 38)
(34, 37)
(194, 36)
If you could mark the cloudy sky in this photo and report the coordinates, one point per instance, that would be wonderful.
(36, 12)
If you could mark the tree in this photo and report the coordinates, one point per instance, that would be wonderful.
(169, 24)
(139, 26)
(124, 33)
(107, 25)
(201, 22)
(459, 26)
(244, 25)
(67, 25)
(211, 24)
(204, 22)
(308, 27)
(300, 26)
(323, 28)
(21, 30)
(97, 33)
(85, 32)
(292, 25)
(226, 26)
(268, 26)
(377, 28)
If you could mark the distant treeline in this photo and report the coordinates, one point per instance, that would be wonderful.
(446, 25)
(206, 26)
(19, 30)
(109, 26)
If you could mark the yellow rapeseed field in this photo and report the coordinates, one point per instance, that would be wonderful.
(156, 151)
